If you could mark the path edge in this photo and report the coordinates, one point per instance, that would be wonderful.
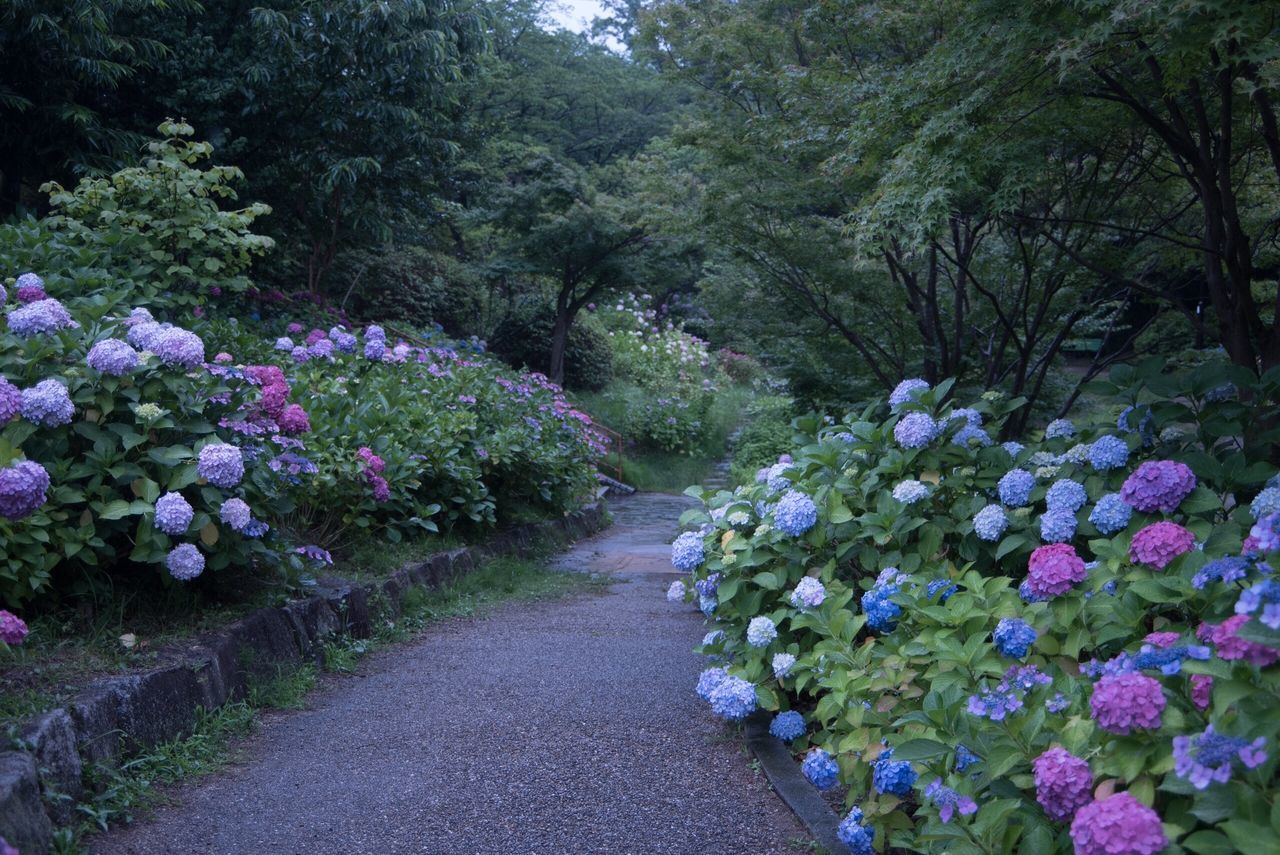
(791, 785)
(41, 771)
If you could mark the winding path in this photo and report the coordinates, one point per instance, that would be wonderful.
(563, 727)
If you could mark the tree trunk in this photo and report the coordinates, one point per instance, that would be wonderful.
(560, 340)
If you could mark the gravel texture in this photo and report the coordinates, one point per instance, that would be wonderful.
(561, 727)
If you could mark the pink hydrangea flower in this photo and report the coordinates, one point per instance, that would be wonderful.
(1230, 646)
(1160, 543)
(1162, 640)
(1064, 783)
(1054, 569)
(1117, 825)
(294, 420)
(1123, 702)
(12, 628)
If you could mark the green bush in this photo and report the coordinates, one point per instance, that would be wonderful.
(766, 434)
(523, 338)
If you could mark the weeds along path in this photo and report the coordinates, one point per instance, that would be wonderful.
(568, 726)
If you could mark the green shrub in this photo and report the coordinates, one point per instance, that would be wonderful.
(523, 339)
(766, 434)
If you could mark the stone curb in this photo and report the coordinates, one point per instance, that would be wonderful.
(790, 783)
(40, 782)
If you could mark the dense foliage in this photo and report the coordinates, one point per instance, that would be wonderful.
(1013, 647)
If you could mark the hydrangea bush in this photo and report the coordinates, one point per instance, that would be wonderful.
(978, 686)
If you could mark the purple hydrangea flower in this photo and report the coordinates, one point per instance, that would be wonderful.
(144, 334)
(13, 630)
(185, 562)
(375, 350)
(1015, 487)
(1158, 486)
(808, 594)
(176, 346)
(284, 344)
(47, 404)
(314, 553)
(236, 514)
(1263, 595)
(1054, 569)
(820, 768)
(990, 523)
(344, 341)
(1122, 703)
(41, 317)
(1160, 543)
(10, 401)
(1208, 757)
(1117, 824)
(300, 354)
(1066, 495)
(1013, 637)
(22, 489)
(1064, 783)
(1057, 703)
(915, 430)
(1111, 514)
(173, 513)
(220, 464)
(112, 357)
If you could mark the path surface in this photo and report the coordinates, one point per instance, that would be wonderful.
(562, 727)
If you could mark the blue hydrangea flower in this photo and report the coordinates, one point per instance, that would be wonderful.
(1028, 595)
(882, 613)
(709, 680)
(776, 478)
(1077, 454)
(990, 522)
(965, 758)
(1014, 637)
(1229, 569)
(1265, 503)
(858, 837)
(787, 726)
(220, 464)
(915, 430)
(969, 414)
(969, 434)
(948, 801)
(1014, 448)
(284, 343)
(236, 514)
(712, 637)
(1111, 514)
(707, 605)
(808, 594)
(185, 562)
(1208, 757)
(907, 390)
(761, 631)
(1108, 452)
(1058, 703)
(1066, 495)
(1015, 487)
(112, 357)
(734, 699)
(676, 592)
(375, 350)
(910, 491)
(821, 769)
(1263, 595)
(173, 513)
(795, 513)
(41, 317)
(1060, 429)
(1057, 526)
(946, 586)
(688, 552)
(782, 664)
(893, 777)
(47, 404)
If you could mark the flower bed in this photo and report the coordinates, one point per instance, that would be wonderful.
(1052, 646)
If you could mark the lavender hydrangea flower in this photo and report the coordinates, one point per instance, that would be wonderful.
(1014, 448)
(112, 357)
(41, 317)
(808, 594)
(185, 562)
(1111, 514)
(948, 801)
(1064, 783)
(761, 631)
(1013, 637)
(782, 664)
(1263, 595)
(1208, 757)
(970, 434)
(1158, 486)
(236, 514)
(734, 699)
(709, 680)
(907, 390)
(858, 837)
(284, 344)
(1058, 703)
(23, 484)
(688, 552)
(893, 777)
(173, 513)
(220, 464)
(910, 491)
(787, 726)
(178, 347)
(776, 478)
(345, 342)
(1060, 429)
(795, 513)
(820, 768)
(300, 354)
(1117, 824)
(990, 523)
(915, 430)
(13, 630)
(1108, 452)
(1122, 703)
(375, 350)
(1015, 487)
(676, 593)
(145, 334)
(10, 401)
(1066, 495)
(47, 404)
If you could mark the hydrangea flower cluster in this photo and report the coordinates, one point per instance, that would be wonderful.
(908, 390)
(1015, 487)
(676, 593)
(236, 514)
(1108, 452)
(23, 486)
(185, 562)
(761, 631)
(709, 680)
(820, 768)
(1008, 696)
(173, 514)
(220, 464)
(1054, 569)
(41, 317)
(948, 801)
(10, 401)
(782, 664)
(1122, 703)
(1111, 514)
(13, 629)
(375, 343)
(915, 430)
(1230, 646)
(910, 491)
(47, 404)
(733, 699)
(1159, 543)
(178, 347)
(894, 777)
(1066, 495)
(1013, 637)
(971, 434)
(1265, 503)
(882, 613)
(1060, 429)
(795, 513)
(112, 357)
(1057, 526)
(1064, 783)
(688, 552)
(858, 837)
(1158, 486)
(1263, 595)
(1208, 757)
(1117, 824)
(787, 726)
(808, 594)
(990, 523)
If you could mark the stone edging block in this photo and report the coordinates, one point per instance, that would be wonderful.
(40, 781)
(790, 783)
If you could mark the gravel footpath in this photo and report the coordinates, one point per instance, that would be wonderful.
(562, 727)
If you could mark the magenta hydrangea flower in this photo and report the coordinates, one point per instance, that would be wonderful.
(1064, 783)
(10, 401)
(1230, 646)
(1117, 825)
(1160, 543)
(185, 562)
(1201, 690)
(112, 357)
(22, 489)
(294, 420)
(173, 513)
(47, 404)
(1054, 569)
(1162, 640)
(1124, 702)
(13, 629)
(372, 462)
(42, 316)
(176, 346)
(381, 489)
(1158, 486)
(220, 464)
